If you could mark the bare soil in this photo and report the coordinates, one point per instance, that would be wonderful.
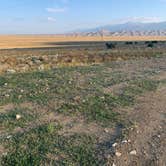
(148, 136)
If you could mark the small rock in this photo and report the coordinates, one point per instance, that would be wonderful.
(159, 136)
(7, 95)
(41, 67)
(119, 59)
(83, 101)
(30, 63)
(11, 71)
(102, 97)
(36, 60)
(18, 117)
(118, 154)
(4, 154)
(9, 136)
(22, 91)
(106, 130)
(129, 141)
(124, 141)
(115, 144)
(113, 164)
(20, 96)
(5, 84)
(145, 153)
(133, 152)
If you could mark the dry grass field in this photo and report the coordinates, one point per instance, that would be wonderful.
(32, 41)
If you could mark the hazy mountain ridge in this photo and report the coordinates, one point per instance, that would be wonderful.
(129, 28)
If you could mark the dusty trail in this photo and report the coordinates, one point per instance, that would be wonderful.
(147, 139)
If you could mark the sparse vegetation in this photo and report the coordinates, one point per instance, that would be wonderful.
(8, 119)
(71, 115)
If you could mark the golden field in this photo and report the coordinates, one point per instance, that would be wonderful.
(32, 41)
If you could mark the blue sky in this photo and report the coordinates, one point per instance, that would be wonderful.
(58, 16)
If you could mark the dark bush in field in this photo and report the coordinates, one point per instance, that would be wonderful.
(150, 45)
(151, 42)
(128, 43)
(154, 42)
(110, 45)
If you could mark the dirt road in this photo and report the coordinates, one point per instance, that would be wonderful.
(145, 145)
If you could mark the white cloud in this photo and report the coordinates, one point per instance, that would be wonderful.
(146, 19)
(56, 10)
(51, 19)
(138, 19)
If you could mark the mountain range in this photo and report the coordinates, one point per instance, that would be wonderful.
(128, 28)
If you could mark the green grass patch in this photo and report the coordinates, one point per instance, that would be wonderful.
(8, 119)
(98, 108)
(3, 80)
(137, 87)
(63, 85)
(44, 146)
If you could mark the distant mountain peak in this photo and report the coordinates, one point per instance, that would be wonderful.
(128, 28)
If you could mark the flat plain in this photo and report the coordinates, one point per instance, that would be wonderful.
(29, 41)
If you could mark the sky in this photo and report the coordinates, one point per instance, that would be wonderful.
(59, 16)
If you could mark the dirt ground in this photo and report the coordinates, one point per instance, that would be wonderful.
(147, 140)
